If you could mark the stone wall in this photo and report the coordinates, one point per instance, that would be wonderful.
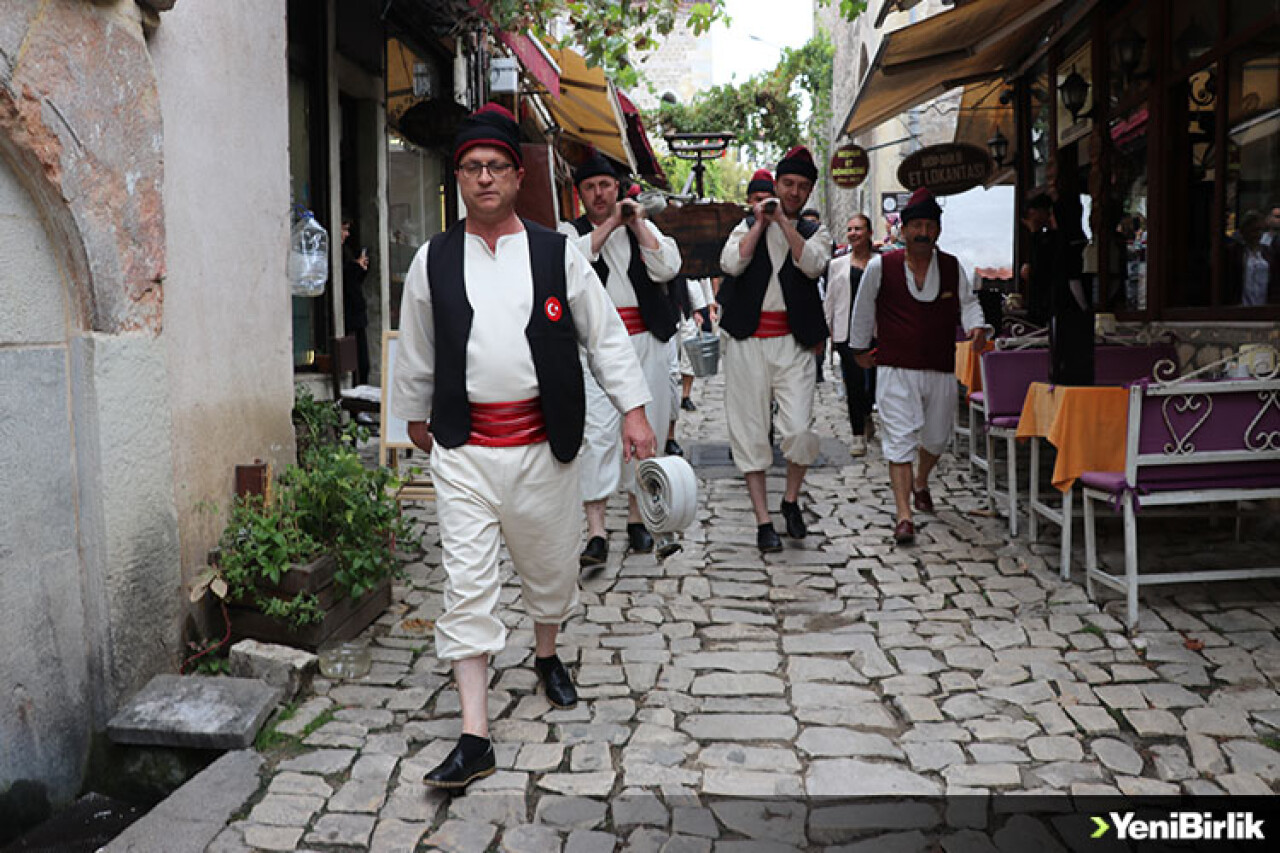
(681, 65)
(89, 569)
(223, 85)
(144, 341)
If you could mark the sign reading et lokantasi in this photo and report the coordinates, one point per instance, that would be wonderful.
(849, 166)
(946, 169)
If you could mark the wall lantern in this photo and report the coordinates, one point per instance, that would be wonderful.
(1073, 91)
(998, 146)
(1130, 45)
(1193, 43)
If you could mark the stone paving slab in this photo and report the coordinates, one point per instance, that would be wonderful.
(730, 700)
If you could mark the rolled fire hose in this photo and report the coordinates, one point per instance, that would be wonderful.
(667, 492)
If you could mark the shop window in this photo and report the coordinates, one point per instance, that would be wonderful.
(415, 208)
(1126, 213)
(1196, 165)
(1193, 30)
(1243, 14)
(1252, 191)
(1129, 56)
(1040, 105)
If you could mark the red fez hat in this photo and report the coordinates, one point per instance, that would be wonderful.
(798, 161)
(922, 206)
(492, 124)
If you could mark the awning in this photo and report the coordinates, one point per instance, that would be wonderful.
(535, 59)
(981, 114)
(972, 43)
(647, 164)
(587, 109)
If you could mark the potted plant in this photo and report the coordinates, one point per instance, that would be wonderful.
(312, 560)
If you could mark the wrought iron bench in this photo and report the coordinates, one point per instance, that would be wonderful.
(1189, 442)
(1114, 364)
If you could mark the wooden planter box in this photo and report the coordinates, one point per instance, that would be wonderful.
(344, 619)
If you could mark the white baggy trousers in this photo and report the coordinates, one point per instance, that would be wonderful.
(485, 495)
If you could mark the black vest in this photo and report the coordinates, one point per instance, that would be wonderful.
(550, 332)
(655, 307)
(741, 296)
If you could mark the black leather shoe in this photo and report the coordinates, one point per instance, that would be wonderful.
(688, 405)
(673, 448)
(767, 539)
(796, 528)
(641, 539)
(455, 773)
(595, 554)
(558, 685)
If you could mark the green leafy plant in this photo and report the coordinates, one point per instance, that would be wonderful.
(329, 503)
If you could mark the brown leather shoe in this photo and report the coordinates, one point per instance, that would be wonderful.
(905, 532)
(922, 500)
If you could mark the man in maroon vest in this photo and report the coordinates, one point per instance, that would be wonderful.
(911, 300)
(771, 308)
(488, 378)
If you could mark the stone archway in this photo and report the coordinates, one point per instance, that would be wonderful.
(89, 566)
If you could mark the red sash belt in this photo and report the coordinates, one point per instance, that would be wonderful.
(773, 324)
(507, 424)
(632, 320)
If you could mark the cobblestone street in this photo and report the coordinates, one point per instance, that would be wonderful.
(725, 692)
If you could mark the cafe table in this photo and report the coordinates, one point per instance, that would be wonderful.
(1087, 427)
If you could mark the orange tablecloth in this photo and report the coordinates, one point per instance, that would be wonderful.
(969, 368)
(1086, 425)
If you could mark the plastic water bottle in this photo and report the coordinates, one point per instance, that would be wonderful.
(308, 256)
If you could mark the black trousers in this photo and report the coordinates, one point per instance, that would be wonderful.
(859, 389)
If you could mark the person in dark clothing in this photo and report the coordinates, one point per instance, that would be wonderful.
(843, 275)
(1035, 272)
(1071, 322)
(355, 310)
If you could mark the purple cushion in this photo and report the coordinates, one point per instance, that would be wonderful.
(1105, 481)
(1004, 421)
(977, 397)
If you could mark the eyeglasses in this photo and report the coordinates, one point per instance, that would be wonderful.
(497, 169)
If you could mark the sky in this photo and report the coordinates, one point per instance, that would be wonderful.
(736, 54)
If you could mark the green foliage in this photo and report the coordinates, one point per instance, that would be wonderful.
(318, 422)
(764, 111)
(605, 32)
(349, 509)
(208, 661)
(329, 503)
(725, 178)
(260, 542)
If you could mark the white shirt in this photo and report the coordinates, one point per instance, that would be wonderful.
(662, 263)
(813, 260)
(863, 325)
(698, 288)
(499, 362)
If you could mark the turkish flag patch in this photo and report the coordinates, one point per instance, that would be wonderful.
(553, 308)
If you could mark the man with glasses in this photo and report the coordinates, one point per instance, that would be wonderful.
(634, 261)
(494, 312)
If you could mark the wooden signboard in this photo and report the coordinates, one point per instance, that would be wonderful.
(849, 166)
(946, 169)
(700, 230)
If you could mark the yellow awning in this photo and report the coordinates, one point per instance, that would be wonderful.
(972, 43)
(587, 109)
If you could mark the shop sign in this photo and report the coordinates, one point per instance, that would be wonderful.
(849, 166)
(946, 169)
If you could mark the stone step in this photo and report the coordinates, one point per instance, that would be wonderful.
(195, 711)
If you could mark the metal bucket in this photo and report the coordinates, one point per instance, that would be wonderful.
(704, 353)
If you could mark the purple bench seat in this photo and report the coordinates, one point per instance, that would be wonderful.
(1187, 443)
(1006, 376)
